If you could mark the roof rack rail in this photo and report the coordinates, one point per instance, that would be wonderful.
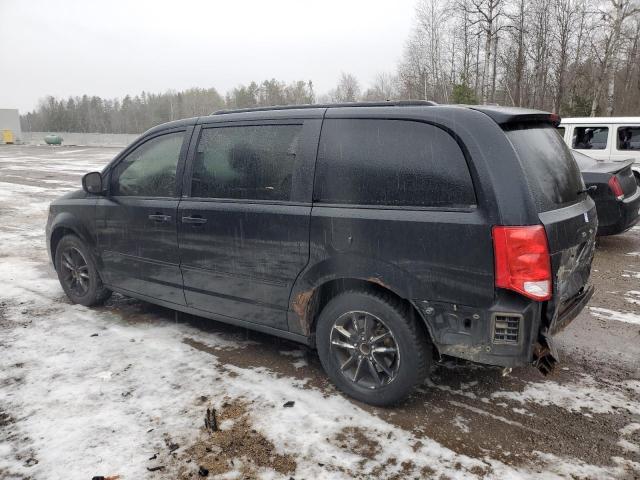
(388, 103)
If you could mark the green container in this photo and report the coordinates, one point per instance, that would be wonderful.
(53, 139)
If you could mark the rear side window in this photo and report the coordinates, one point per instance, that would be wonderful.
(590, 138)
(391, 162)
(247, 162)
(629, 138)
(551, 171)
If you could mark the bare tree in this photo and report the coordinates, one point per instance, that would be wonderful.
(565, 14)
(385, 87)
(348, 89)
(606, 49)
(487, 13)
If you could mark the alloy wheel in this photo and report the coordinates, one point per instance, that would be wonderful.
(75, 271)
(365, 349)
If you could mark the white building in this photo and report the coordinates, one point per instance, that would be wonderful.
(10, 125)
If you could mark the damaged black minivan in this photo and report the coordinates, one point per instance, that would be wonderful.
(384, 235)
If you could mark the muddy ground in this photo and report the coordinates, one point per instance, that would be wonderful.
(583, 422)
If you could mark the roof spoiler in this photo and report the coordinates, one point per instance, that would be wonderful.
(512, 115)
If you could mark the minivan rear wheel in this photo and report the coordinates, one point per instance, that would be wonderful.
(371, 347)
(78, 273)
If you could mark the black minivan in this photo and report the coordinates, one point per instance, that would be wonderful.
(384, 235)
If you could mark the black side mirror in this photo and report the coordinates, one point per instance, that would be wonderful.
(92, 183)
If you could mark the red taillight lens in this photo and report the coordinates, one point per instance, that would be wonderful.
(522, 260)
(615, 187)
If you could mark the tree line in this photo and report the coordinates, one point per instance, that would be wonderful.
(141, 112)
(572, 57)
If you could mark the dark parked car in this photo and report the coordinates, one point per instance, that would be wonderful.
(613, 187)
(384, 235)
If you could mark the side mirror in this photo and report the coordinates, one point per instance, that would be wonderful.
(92, 183)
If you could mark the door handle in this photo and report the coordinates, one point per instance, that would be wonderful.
(194, 220)
(158, 217)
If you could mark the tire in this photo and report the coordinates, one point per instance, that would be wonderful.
(78, 274)
(396, 374)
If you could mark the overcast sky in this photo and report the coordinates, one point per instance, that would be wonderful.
(111, 48)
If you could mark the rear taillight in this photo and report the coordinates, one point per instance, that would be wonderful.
(522, 260)
(615, 187)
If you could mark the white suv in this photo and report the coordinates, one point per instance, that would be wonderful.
(604, 138)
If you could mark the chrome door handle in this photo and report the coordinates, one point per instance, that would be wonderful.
(158, 217)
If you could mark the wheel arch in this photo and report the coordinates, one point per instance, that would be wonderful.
(67, 224)
(307, 303)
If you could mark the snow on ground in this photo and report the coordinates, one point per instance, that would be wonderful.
(585, 395)
(608, 314)
(631, 274)
(89, 392)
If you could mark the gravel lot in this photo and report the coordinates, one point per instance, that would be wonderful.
(123, 390)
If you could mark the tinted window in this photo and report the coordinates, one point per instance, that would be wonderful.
(391, 162)
(628, 138)
(251, 162)
(590, 138)
(551, 171)
(150, 170)
(560, 131)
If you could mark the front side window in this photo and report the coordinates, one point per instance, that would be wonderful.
(590, 138)
(629, 138)
(150, 170)
(391, 162)
(247, 162)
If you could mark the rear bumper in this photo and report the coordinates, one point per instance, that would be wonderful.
(478, 342)
(620, 218)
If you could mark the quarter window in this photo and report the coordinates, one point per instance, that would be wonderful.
(150, 170)
(629, 138)
(248, 162)
(391, 162)
(590, 138)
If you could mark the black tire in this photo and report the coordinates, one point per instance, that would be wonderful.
(78, 273)
(408, 367)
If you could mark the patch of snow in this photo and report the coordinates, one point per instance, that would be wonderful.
(628, 446)
(522, 411)
(607, 314)
(485, 413)
(461, 423)
(585, 396)
(300, 364)
(632, 296)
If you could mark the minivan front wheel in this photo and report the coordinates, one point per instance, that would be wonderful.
(78, 274)
(371, 347)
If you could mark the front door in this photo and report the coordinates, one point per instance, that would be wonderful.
(137, 234)
(244, 228)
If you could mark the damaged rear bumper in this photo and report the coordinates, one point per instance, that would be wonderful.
(545, 354)
(471, 334)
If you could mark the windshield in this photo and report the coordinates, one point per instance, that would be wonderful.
(551, 171)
